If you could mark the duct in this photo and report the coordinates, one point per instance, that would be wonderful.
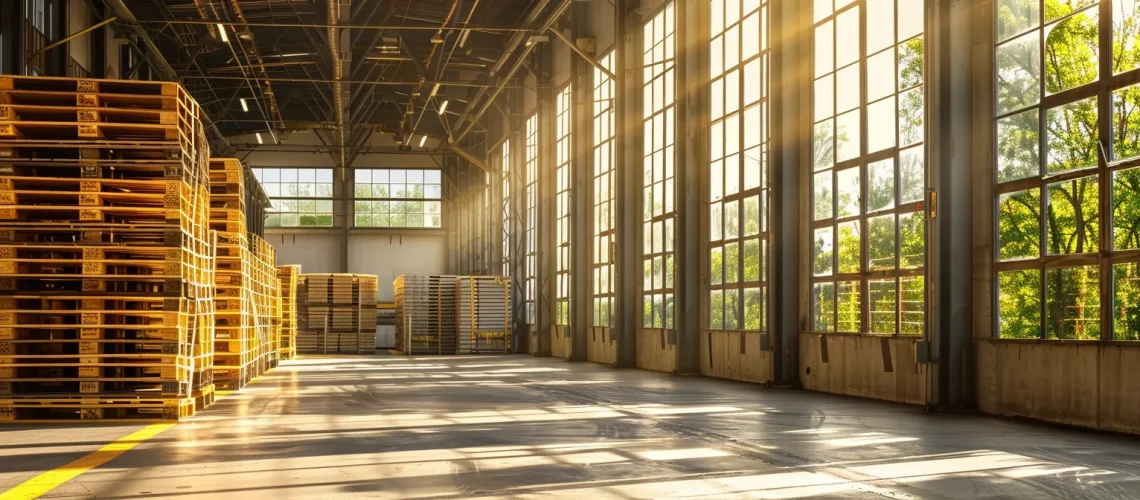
(512, 44)
(514, 69)
(338, 73)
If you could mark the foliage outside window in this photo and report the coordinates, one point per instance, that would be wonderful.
(738, 169)
(531, 290)
(659, 210)
(1068, 138)
(300, 197)
(603, 239)
(563, 159)
(868, 181)
(398, 198)
(505, 169)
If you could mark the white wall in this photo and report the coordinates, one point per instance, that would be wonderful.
(315, 252)
(390, 255)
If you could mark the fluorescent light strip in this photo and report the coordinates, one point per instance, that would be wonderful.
(423, 140)
(244, 106)
(259, 141)
(222, 32)
(443, 107)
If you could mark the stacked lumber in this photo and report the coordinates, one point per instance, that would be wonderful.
(338, 313)
(482, 314)
(425, 314)
(106, 261)
(289, 276)
(233, 330)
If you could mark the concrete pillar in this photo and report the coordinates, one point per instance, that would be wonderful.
(547, 187)
(692, 160)
(627, 182)
(581, 178)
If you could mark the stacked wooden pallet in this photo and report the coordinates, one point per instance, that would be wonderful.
(482, 314)
(233, 333)
(288, 275)
(265, 290)
(106, 270)
(339, 313)
(425, 314)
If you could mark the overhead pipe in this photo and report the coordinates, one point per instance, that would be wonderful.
(274, 109)
(514, 69)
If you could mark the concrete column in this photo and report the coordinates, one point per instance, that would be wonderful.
(581, 178)
(547, 187)
(790, 154)
(627, 182)
(692, 160)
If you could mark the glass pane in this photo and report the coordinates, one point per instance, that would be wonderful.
(1019, 225)
(1073, 302)
(731, 309)
(881, 124)
(847, 136)
(824, 98)
(1019, 72)
(752, 216)
(1072, 138)
(716, 266)
(716, 309)
(823, 307)
(911, 175)
(753, 309)
(1016, 16)
(879, 38)
(847, 37)
(1126, 209)
(823, 198)
(910, 63)
(911, 118)
(1125, 34)
(752, 261)
(1019, 304)
(881, 242)
(880, 74)
(847, 89)
(912, 308)
(912, 240)
(848, 192)
(824, 49)
(883, 306)
(850, 247)
(732, 263)
(1126, 301)
(823, 145)
(910, 18)
(1072, 52)
(1126, 117)
(1074, 216)
(822, 257)
(850, 307)
(1018, 145)
(880, 185)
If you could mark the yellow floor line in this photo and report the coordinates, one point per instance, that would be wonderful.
(49, 480)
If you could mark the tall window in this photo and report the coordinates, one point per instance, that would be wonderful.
(603, 293)
(398, 198)
(563, 156)
(738, 169)
(1068, 137)
(505, 168)
(301, 197)
(868, 224)
(658, 162)
(531, 219)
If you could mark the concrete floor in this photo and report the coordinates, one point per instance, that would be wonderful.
(522, 427)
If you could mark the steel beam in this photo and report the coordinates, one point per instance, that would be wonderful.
(574, 47)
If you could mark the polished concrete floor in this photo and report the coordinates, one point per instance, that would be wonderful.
(521, 427)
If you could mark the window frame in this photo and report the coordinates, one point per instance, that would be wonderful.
(603, 227)
(330, 199)
(391, 199)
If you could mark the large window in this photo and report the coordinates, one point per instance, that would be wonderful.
(505, 169)
(531, 219)
(301, 197)
(1067, 139)
(563, 158)
(659, 210)
(603, 265)
(738, 169)
(868, 182)
(397, 198)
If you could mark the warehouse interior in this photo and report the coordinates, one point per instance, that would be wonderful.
(569, 248)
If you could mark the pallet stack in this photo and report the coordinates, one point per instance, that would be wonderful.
(482, 314)
(425, 314)
(106, 270)
(339, 313)
(233, 332)
(289, 276)
(265, 289)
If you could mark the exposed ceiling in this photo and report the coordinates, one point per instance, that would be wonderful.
(275, 66)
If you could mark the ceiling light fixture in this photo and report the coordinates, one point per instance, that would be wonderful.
(443, 107)
(244, 106)
(436, 39)
(222, 33)
(423, 140)
(259, 141)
